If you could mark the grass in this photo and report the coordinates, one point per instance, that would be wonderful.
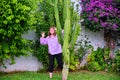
(82, 75)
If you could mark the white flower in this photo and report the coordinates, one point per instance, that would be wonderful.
(81, 20)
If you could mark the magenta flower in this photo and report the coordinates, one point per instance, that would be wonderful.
(115, 26)
(89, 18)
(96, 11)
(95, 19)
(101, 15)
(104, 24)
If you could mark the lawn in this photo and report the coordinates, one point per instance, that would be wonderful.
(82, 75)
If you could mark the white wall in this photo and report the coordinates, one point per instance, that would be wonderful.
(96, 38)
(22, 64)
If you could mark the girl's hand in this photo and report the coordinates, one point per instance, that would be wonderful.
(43, 34)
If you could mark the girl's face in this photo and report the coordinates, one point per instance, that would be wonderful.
(52, 31)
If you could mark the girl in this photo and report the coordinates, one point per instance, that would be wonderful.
(54, 49)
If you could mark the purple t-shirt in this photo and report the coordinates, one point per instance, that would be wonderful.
(54, 46)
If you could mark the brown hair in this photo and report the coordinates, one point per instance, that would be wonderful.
(54, 30)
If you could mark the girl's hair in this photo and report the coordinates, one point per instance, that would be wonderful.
(54, 31)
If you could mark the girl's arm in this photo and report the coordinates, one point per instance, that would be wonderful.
(43, 40)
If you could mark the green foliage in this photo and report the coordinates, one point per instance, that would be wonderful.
(106, 53)
(96, 60)
(74, 61)
(17, 17)
(101, 60)
(117, 61)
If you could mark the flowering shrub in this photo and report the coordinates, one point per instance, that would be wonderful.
(101, 14)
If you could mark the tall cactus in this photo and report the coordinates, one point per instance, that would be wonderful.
(67, 29)
(70, 24)
(58, 21)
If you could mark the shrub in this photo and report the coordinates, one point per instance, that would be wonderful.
(17, 17)
(96, 60)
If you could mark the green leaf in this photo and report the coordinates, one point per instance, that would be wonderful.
(10, 17)
(14, 1)
(5, 22)
(5, 48)
(17, 21)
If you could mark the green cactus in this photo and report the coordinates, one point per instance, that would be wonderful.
(70, 24)
(67, 29)
(58, 21)
(76, 30)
